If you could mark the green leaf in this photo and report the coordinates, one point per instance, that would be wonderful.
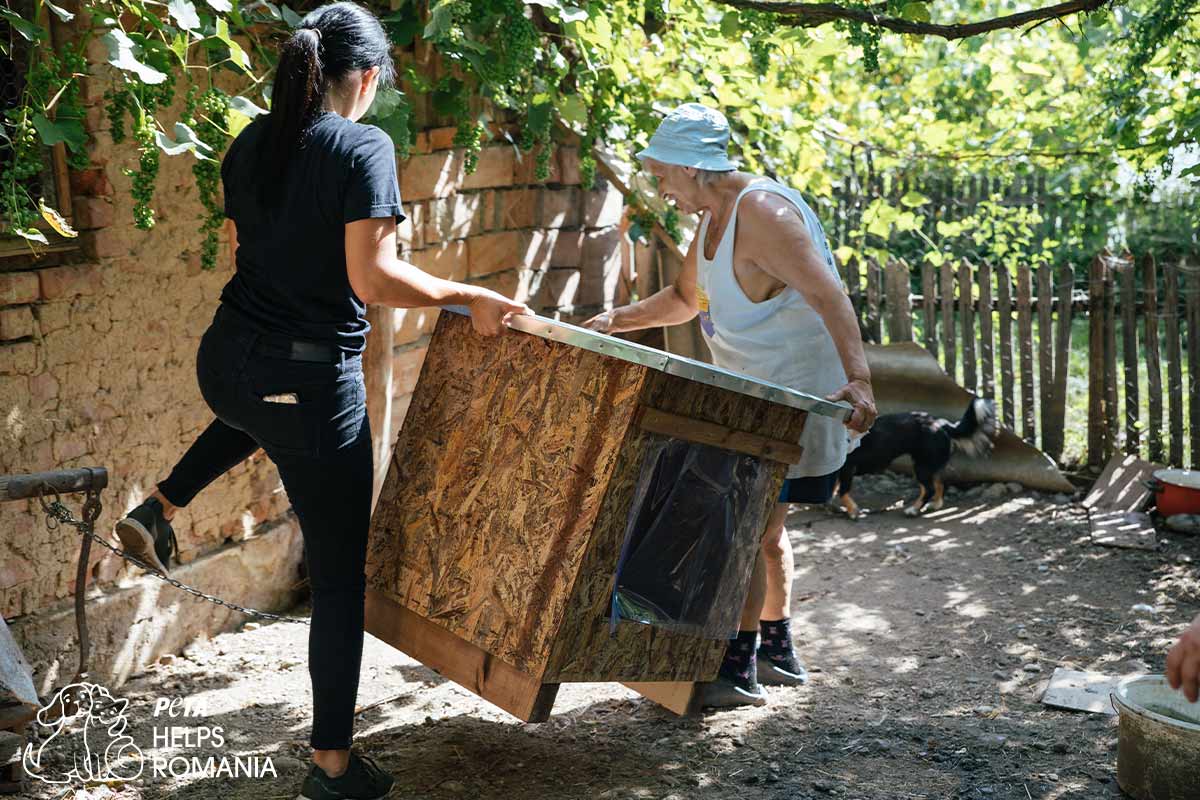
(572, 14)
(441, 17)
(914, 199)
(184, 13)
(68, 131)
(236, 53)
(390, 113)
(539, 112)
(573, 110)
(186, 140)
(61, 13)
(446, 101)
(917, 12)
(1030, 68)
(28, 30)
(731, 25)
(292, 19)
(179, 47)
(244, 105)
(120, 55)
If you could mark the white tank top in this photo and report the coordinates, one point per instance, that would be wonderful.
(781, 340)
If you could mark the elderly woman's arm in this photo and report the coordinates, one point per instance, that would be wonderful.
(779, 244)
(673, 305)
(1183, 662)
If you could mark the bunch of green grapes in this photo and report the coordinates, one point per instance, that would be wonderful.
(759, 25)
(146, 175)
(865, 37)
(469, 137)
(117, 103)
(210, 117)
(16, 207)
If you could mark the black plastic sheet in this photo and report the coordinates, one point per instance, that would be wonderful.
(693, 532)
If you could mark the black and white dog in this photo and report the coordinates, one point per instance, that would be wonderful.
(929, 441)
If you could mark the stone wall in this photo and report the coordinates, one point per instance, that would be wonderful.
(97, 353)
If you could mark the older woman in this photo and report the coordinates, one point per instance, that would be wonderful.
(761, 277)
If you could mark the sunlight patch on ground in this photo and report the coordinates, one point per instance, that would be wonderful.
(984, 514)
(903, 665)
(853, 617)
(960, 602)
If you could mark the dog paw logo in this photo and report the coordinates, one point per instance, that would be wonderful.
(84, 739)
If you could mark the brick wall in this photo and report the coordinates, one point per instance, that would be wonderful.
(97, 356)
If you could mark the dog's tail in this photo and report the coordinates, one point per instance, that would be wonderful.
(975, 433)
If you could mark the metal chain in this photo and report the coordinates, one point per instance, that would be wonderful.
(57, 513)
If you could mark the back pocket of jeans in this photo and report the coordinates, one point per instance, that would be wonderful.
(287, 420)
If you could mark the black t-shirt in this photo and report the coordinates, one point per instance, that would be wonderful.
(291, 260)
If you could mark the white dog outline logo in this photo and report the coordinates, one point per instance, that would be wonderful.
(102, 751)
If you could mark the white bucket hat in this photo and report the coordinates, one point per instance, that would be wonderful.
(692, 135)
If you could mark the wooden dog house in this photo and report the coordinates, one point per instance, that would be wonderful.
(496, 536)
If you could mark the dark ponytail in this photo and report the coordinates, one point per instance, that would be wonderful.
(331, 42)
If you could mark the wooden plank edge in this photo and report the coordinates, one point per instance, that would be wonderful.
(679, 697)
(694, 430)
(501, 684)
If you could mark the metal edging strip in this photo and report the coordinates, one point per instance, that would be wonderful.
(679, 366)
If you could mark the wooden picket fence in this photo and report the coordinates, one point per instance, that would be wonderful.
(967, 314)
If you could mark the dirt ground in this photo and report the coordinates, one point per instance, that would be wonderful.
(930, 641)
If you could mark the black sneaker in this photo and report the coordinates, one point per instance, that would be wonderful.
(781, 671)
(731, 690)
(362, 780)
(147, 536)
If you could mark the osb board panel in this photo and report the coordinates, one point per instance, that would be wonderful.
(586, 649)
(742, 413)
(495, 483)
(524, 697)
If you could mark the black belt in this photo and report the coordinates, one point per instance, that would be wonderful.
(273, 344)
(297, 350)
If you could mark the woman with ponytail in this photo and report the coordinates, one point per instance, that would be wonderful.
(313, 199)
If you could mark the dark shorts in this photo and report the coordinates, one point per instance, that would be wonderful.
(811, 490)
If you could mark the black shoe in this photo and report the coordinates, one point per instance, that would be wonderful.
(732, 689)
(781, 672)
(147, 536)
(362, 780)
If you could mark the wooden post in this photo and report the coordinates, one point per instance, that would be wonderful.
(966, 309)
(899, 301)
(1062, 362)
(377, 374)
(929, 306)
(874, 301)
(1192, 297)
(1045, 315)
(1004, 297)
(1154, 434)
(1112, 415)
(948, 328)
(987, 342)
(1129, 351)
(1095, 421)
(1025, 343)
(1174, 364)
(854, 287)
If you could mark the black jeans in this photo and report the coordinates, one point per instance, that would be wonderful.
(322, 447)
